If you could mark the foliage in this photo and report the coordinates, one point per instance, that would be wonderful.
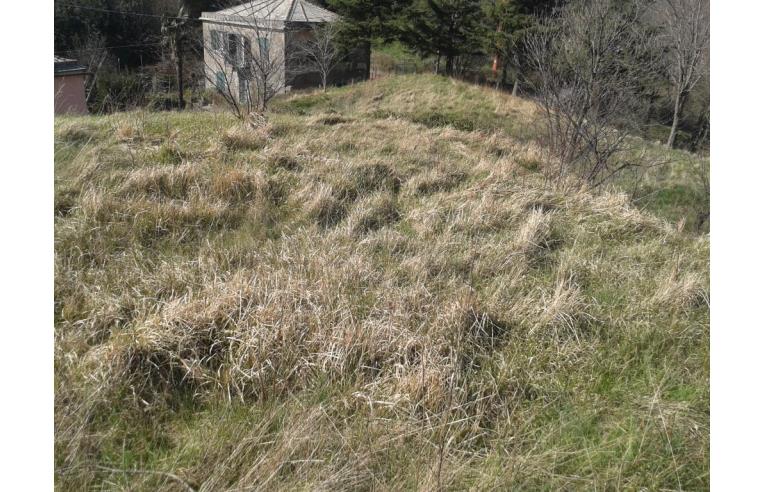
(509, 22)
(447, 28)
(119, 91)
(364, 21)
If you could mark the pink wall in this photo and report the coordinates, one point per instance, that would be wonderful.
(69, 93)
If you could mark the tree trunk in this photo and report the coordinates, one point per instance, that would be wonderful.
(496, 58)
(500, 80)
(90, 88)
(179, 59)
(678, 103)
(514, 88)
(503, 79)
(367, 59)
(437, 65)
(449, 65)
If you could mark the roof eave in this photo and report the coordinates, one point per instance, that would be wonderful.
(83, 71)
(249, 19)
(239, 20)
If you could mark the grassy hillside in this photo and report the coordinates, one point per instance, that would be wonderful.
(374, 292)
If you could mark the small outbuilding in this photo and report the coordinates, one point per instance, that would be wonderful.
(69, 86)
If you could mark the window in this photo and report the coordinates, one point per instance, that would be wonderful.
(263, 44)
(233, 48)
(220, 81)
(217, 40)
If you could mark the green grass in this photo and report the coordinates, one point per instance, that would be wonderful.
(355, 299)
(429, 100)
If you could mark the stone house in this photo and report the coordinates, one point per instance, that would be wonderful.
(268, 30)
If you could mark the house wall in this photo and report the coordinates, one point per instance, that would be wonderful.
(216, 62)
(354, 68)
(69, 94)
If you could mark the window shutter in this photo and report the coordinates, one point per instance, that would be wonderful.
(263, 44)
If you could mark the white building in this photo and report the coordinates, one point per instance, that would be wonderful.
(265, 31)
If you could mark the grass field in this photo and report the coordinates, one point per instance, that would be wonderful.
(374, 292)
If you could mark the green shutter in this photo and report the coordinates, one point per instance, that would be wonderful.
(264, 51)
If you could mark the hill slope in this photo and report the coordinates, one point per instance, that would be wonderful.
(360, 297)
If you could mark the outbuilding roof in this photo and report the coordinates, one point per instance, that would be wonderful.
(273, 11)
(67, 66)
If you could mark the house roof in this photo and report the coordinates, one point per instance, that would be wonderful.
(67, 66)
(273, 11)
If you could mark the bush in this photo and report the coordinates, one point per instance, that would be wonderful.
(119, 91)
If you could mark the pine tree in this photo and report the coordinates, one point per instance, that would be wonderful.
(367, 20)
(445, 28)
(511, 21)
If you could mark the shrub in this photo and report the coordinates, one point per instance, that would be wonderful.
(119, 91)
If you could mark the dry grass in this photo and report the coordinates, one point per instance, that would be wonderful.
(243, 137)
(366, 302)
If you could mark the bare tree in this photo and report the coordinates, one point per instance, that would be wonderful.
(686, 36)
(245, 61)
(317, 52)
(591, 60)
(174, 32)
(178, 31)
(92, 54)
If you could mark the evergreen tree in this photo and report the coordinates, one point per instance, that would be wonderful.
(367, 20)
(511, 21)
(445, 28)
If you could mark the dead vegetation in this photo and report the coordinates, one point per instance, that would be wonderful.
(280, 310)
